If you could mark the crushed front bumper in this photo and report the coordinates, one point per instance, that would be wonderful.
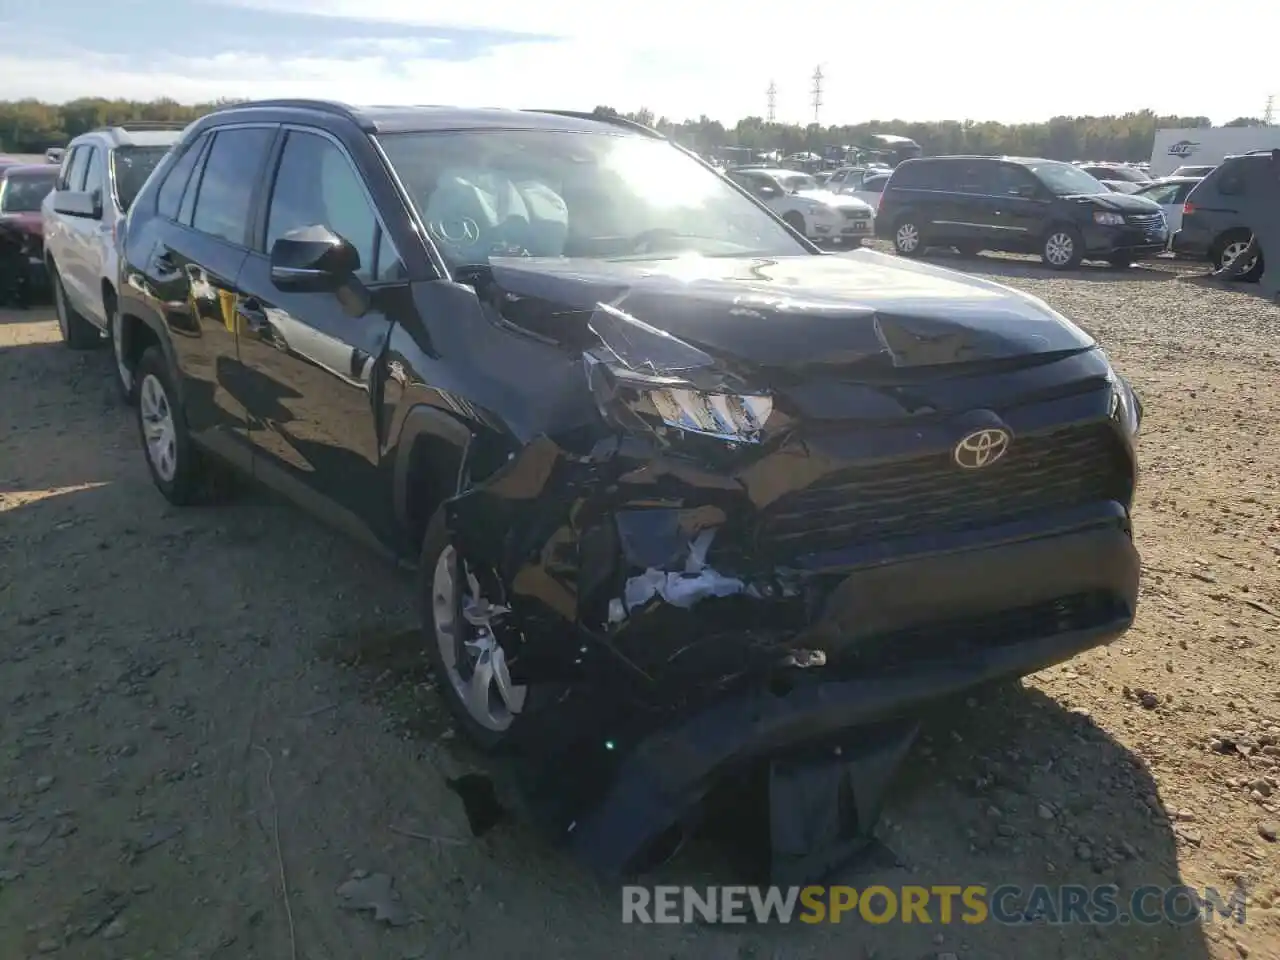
(636, 774)
(658, 697)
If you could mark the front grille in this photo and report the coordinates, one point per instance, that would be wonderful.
(1148, 221)
(963, 636)
(857, 214)
(1056, 470)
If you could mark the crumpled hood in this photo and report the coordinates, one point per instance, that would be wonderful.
(27, 222)
(805, 310)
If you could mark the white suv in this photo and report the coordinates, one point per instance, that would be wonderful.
(102, 171)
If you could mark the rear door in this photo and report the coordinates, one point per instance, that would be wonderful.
(962, 208)
(314, 369)
(209, 199)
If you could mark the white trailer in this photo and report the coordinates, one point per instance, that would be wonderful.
(1207, 145)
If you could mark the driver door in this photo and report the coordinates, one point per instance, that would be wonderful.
(313, 370)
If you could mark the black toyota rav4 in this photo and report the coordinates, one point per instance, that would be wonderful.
(684, 494)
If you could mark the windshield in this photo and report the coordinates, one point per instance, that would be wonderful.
(1130, 174)
(23, 193)
(796, 182)
(495, 193)
(130, 167)
(1065, 180)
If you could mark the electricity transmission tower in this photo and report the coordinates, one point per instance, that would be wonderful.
(1269, 114)
(817, 92)
(772, 94)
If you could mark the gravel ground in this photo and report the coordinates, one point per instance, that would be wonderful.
(195, 705)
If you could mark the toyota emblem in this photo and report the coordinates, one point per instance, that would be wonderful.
(982, 448)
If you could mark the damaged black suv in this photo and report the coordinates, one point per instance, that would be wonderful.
(684, 493)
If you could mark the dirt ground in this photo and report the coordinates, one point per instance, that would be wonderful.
(195, 705)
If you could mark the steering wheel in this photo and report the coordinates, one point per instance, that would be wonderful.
(457, 231)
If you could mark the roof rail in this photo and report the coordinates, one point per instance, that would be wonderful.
(140, 125)
(333, 107)
(610, 118)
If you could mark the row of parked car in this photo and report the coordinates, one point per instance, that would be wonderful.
(1066, 212)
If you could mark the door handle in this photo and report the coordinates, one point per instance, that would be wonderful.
(250, 311)
(164, 263)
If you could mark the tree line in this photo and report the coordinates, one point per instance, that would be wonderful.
(31, 126)
(1127, 137)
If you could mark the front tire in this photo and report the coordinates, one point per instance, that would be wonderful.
(176, 466)
(77, 332)
(1063, 248)
(467, 658)
(908, 239)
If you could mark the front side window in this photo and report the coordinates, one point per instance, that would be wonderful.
(485, 193)
(23, 193)
(1165, 193)
(227, 183)
(874, 184)
(130, 167)
(1065, 180)
(316, 184)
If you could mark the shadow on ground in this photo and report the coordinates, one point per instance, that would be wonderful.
(1010, 266)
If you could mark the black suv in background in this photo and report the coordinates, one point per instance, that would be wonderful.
(1215, 215)
(676, 484)
(1016, 205)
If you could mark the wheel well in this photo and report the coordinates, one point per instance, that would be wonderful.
(135, 335)
(432, 478)
(438, 468)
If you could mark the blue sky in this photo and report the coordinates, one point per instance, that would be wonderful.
(916, 59)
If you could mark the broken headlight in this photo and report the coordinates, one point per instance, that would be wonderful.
(1126, 408)
(727, 416)
(673, 381)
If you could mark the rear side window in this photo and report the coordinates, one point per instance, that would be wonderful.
(1230, 181)
(918, 173)
(94, 172)
(175, 182)
(231, 173)
(874, 184)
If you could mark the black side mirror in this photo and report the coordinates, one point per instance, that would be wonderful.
(313, 260)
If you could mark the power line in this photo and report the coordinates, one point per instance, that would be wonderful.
(772, 94)
(817, 93)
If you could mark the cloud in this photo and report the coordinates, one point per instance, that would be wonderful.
(913, 59)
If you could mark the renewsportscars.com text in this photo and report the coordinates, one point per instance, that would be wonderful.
(937, 904)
